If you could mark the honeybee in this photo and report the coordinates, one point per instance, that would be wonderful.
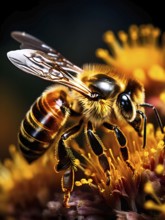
(97, 94)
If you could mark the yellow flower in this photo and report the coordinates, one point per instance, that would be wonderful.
(127, 178)
(138, 53)
(24, 186)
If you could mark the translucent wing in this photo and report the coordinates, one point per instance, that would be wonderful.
(29, 42)
(42, 65)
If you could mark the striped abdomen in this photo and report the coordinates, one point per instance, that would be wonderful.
(42, 123)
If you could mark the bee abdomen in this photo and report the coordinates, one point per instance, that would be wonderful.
(42, 123)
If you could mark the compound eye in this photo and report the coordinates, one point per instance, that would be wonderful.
(125, 106)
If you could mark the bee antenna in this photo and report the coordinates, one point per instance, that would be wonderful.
(156, 114)
(144, 125)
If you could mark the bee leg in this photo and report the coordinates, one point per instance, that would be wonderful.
(156, 115)
(144, 125)
(122, 141)
(67, 183)
(97, 147)
(120, 136)
(64, 153)
(67, 162)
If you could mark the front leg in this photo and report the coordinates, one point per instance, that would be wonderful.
(98, 149)
(120, 138)
(122, 142)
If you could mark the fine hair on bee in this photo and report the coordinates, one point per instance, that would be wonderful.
(96, 94)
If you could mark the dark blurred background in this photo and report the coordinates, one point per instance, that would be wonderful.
(74, 28)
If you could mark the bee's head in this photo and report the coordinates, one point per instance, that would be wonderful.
(104, 86)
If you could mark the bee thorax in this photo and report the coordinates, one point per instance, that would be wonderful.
(96, 111)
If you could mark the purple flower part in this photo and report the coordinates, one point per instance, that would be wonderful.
(121, 215)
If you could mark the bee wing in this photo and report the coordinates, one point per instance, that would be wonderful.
(29, 42)
(40, 64)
